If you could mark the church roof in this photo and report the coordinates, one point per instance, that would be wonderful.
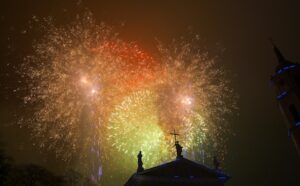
(180, 171)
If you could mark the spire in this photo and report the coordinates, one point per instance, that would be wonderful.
(278, 53)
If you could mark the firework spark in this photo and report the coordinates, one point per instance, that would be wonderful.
(94, 95)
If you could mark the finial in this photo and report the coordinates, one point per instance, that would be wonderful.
(280, 57)
(140, 162)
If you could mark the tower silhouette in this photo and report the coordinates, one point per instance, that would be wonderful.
(286, 81)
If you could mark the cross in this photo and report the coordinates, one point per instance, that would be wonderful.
(174, 134)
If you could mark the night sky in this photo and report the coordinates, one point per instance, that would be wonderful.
(259, 152)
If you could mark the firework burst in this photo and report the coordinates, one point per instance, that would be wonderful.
(94, 95)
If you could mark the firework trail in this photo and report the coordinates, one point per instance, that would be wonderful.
(100, 100)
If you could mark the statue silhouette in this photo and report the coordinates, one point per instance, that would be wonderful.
(216, 163)
(178, 150)
(140, 162)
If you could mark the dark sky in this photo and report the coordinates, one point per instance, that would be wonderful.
(260, 153)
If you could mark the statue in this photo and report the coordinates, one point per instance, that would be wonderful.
(178, 150)
(140, 162)
(216, 163)
(177, 145)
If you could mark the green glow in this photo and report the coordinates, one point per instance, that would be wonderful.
(134, 126)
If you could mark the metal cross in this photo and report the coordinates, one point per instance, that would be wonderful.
(174, 134)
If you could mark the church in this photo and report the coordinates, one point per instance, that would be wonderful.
(179, 172)
(286, 81)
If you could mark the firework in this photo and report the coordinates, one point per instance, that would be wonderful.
(190, 95)
(99, 99)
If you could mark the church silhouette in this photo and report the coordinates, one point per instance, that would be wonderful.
(179, 172)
